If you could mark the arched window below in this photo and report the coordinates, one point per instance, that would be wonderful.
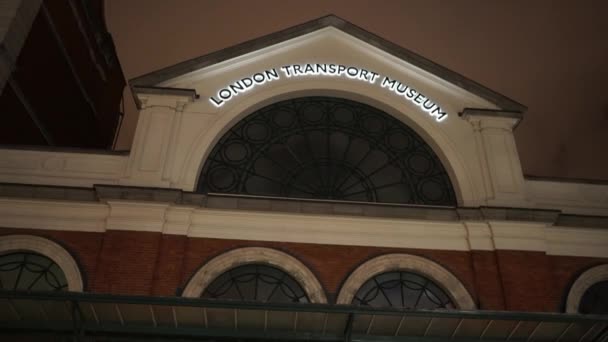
(405, 281)
(31, 272)
(33, 263)
(256, 282)
(255, 274)
(402, 289)
(595, 299)
(589, 293)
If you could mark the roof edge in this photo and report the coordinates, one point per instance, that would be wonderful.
(152, 79)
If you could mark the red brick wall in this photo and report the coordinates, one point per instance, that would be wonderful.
(168, 273)
(127, 262)
(142, 263)
(488, 280)
(526, 280)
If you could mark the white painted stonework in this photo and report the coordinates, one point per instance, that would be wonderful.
(305, 228)
(176, 133)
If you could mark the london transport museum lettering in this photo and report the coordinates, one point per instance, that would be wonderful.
(337, 70)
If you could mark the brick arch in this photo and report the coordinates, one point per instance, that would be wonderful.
(406, 262)
(251, 255)
(48, 248)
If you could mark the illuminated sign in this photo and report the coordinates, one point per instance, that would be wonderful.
(334, 70)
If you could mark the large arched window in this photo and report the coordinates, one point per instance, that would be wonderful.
(37, 264)
(326, 148)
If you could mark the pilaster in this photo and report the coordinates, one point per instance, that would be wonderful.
(502, 172)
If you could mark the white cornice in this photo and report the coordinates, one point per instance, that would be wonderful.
(136, 216)
(519, 235)
(56, 215)
(165, 218)
(590, 242)
(341, 230)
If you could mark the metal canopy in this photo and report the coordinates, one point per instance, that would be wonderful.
(94, 317)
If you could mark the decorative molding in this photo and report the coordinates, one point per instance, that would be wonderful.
(136, 216)
(336, 23)
(479, 236)
(48, 248)
(519, 236)
(60, 168)
(178, 220)
(585, 281)
(142, 94)
(405, 262)
(591, 242)
(341, 230)
(252, 255)
(54, 215)
(569, 197)
(311, 224)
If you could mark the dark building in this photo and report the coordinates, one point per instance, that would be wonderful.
(319, 183)
(61, 81)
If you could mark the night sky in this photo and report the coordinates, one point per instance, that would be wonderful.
(551, 56)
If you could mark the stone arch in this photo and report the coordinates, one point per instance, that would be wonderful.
(392, 262)
(50, 249)
(251, 255)
(582, 284)
(452, 158)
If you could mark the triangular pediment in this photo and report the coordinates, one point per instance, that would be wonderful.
(327, 40)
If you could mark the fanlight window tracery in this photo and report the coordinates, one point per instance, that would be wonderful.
(404, 290)
(31, 272)
(326, 148)
(256, 282)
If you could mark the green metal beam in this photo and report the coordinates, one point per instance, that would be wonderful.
(299, 307)
(160, 333)
(80, 328)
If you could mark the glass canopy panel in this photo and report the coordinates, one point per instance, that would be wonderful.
(326, 148)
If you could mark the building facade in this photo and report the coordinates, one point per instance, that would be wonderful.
(319, 165)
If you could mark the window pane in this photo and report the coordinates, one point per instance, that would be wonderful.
(30, 271)
(326, 148)
(595, 299)
(256, 282)
(402, 289)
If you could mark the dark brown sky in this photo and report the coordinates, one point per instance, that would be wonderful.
(552, 56)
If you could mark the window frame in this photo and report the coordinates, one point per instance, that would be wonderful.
(255, 255)
(587, 279)
(405, 262)
(52, 250)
